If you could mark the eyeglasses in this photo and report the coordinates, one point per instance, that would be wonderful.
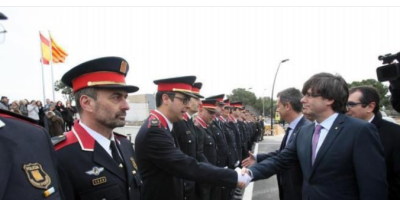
(308, 95)
(184, 100)
(351, 104)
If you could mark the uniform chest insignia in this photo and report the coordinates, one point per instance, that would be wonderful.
(2, 124)
(133, 162)
(99, 181)
(95, 171)
(37, 176)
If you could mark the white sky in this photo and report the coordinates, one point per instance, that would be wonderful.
(225, 47)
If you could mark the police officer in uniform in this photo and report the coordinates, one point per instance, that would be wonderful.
(28, 164)
(161, 163)
(97, 163)
(187, 137)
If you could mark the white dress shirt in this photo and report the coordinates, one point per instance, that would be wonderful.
(103, 141)
(292, 126)
(326, 126)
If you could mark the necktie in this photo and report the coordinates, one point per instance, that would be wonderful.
(315, 142)
(115, 154)
(288, 136)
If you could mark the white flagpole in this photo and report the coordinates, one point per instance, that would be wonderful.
(52, 72)
(41, 62)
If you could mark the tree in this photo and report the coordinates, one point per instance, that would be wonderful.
(382, 90)
(249, 99)
(65, 90)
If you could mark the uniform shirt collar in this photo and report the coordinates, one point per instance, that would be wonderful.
(170, 125)
(103, 141)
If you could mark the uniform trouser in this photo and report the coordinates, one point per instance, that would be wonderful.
(225, 193)
(205, 192)
(215, 193)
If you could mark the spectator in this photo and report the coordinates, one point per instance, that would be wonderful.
(23, 107)
(69, 119)
(47, 106)
(4, 103)
(33, 110)
(55, 124)
(14, 104)
(15, 110)
(60, 107)
(41, 113)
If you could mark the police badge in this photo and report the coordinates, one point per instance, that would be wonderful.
(37, 176)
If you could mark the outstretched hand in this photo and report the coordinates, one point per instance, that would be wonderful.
(249, 161)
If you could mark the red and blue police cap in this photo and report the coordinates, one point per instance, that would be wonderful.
(237, 104)
(103, 73)
(196, 89)
(209, 104)
(219, 98)
(178, 84)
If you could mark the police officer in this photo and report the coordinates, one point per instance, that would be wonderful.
(97, 163)
(187, 138)
(28, 164)
(161, 163)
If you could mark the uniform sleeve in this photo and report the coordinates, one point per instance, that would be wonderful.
(371, 178)
(200, 145)
(162, 153)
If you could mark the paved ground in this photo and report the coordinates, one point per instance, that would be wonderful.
(266, 189)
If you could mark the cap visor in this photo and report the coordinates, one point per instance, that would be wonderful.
(127, 88)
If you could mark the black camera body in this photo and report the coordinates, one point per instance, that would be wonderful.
(391, 71)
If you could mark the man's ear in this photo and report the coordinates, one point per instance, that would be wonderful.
(370, 107)
(87, 103)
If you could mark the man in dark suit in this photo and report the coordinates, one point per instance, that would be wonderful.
(162, 164)
(289, 107)
(187, 137)
(340, 157)
(364, 104)
(97, 163)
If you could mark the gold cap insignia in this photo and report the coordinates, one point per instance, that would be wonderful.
(122, 69)
(37, 176)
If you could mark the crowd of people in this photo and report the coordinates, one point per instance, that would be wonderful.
(54, 117)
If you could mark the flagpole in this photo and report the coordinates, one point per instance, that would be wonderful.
(41, 62)
(51, 66)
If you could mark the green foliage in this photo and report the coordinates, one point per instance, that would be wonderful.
(382, 90)
(249, 99)
(66, 91)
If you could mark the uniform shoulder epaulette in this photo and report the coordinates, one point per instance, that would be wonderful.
(10, 114)
(120, 135)
(154, 122)
(57, 139)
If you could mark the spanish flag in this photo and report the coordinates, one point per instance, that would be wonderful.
(45, 45)
(57, 53)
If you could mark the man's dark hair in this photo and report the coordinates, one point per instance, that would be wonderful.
(293, 97)
(368, 94)
(329, 86)
(90, 92)
(159, 95)
(3, 97)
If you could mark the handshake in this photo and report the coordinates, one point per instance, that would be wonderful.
(244, 175)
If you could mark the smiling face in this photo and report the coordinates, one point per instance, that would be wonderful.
(110, 108)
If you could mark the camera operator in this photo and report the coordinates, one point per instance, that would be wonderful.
(391, 73)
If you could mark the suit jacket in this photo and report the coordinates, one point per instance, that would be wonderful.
(390, 138)
(349, 165)
(290, 182)
(88, 172)
(163, 166)
(28, 163)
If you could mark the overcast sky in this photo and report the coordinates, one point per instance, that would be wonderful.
(225, 47)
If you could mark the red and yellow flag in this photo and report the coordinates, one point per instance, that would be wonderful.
(57, 53)
(45, 45)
